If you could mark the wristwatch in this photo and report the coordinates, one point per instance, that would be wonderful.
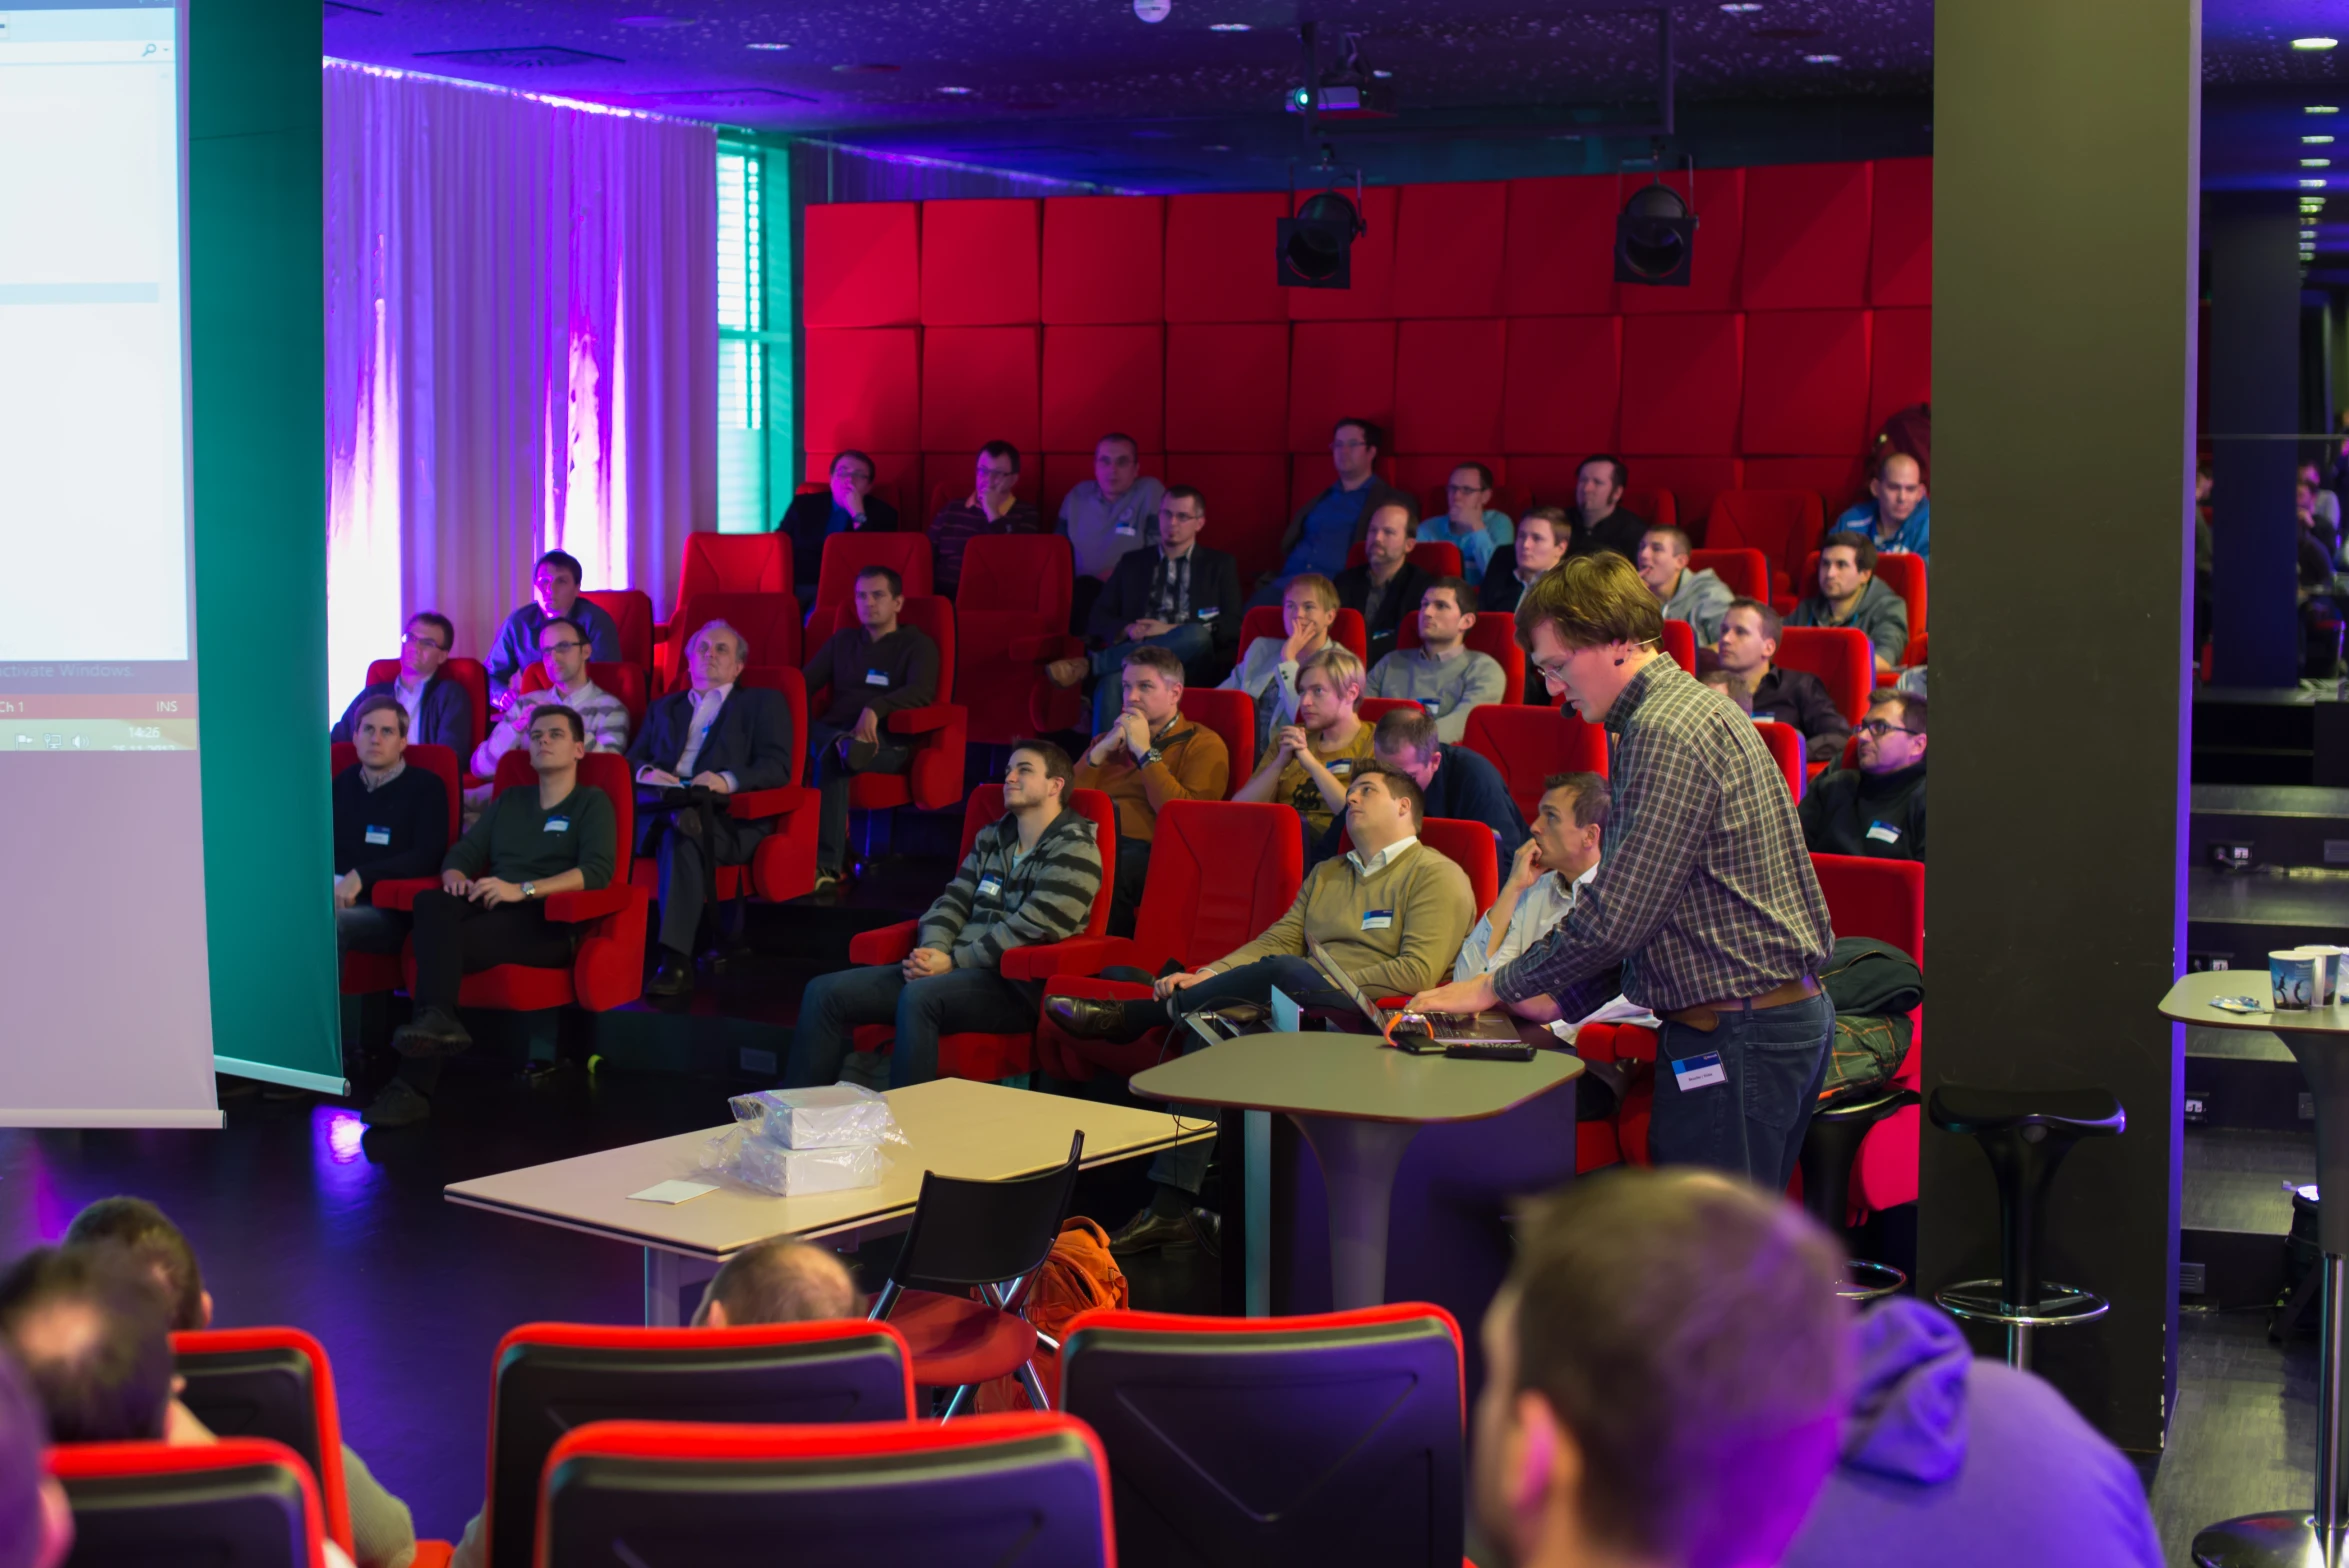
(1150, 756)
(530, 890)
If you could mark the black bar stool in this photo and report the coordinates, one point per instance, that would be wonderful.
(1830, 1148)
(2025, 1133)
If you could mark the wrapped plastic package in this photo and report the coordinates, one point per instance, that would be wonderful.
(835, 1116)
(793, 1173)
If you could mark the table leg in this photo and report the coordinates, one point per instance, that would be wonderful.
(667, 1275)
(1358, 1163)
(1256, 1159)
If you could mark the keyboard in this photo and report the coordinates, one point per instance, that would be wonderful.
(1491, 1051)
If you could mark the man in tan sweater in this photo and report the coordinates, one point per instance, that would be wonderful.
(1392, 913)
(1150, 754)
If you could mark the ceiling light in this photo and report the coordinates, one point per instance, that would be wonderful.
(2316, 163)
(1741, 8)
(1824, 59)
(2324, 108)
(766, 46)
(2315, 43)
(2312, 185)
(1316, 242)
(2315, 141)
(959, 92)
(1388, 76)
(1229, 27)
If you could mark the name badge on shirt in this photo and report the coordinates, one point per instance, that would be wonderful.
(1342, 765)
(876, 677)
(1377, 919)
(1207, 614)
(1883, 832)
(379, 835)
(1124, 530)
(557, 825)
(990, 887)
(1434, 705)
(1698, 1072)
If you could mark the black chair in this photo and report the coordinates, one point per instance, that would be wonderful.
(2025, 1134)
(987, 1235)
(1829, 1149)
(241, 1503)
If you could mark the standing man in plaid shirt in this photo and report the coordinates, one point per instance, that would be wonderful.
(1704, 892)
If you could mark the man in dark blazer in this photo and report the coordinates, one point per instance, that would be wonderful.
(1176, 594)
(848, 507)
(718, 736)
(439, 712)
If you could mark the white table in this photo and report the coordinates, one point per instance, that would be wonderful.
(979, 1131)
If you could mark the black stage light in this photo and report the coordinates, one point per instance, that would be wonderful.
(1655, 238)
(1317, 243)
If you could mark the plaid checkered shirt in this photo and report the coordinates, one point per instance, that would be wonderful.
(1704, 890)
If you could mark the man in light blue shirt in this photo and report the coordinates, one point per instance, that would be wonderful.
(1470, 523)
(1899, 519)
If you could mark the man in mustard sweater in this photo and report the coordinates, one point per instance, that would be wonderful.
(1148, 756)
(1392, 913)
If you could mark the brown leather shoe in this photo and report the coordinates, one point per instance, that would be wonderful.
(1088, 1018)
(1149, 1230)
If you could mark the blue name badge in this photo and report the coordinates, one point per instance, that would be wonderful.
(1126, 529)
(1377, 919)
(990, 887)
(1883, 832)
(379, 836)
(1697, 1072)
(558, 825)
(876, 677)
(1207, 614)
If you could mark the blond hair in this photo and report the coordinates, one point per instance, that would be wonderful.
(1338, 663)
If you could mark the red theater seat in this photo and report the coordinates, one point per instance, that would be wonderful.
(1841, 656)
(769, 623)
(1347, 631)
(624, 681)
(1339, 369)
(1099, 379)
(363, 974)
(934, 781)
(1529, 744)
(1227, 389)
(1681, 376)
(1903, 574)
(1900, 251)
(1782, 524)
(1786, 749)
(1277, 1440)
(1838, 481)
(862, 264)
(1806, 236)
(992, 1057)
(980, 384)
(1011, 618)
(243, 1502)
(1746, 571)
(1219, 264)
(864, 390)
(1559, 258)
(736, 563)
(1029, 1490)
(1192, 910)
(845, 555)
(275, 1384)
(1373, 709)
(1232, 715)
(1448, 249)
(471, 676)
(1806, 382)
(1680, 644)
(1883, 899)
(632, 611)
(1437, 558)
(1495, 636)
(1449, 382)
(1470, 846)
(1562, 389)
(979, 262)
(1104, 259)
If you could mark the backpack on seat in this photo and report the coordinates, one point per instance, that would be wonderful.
(1079, 1276)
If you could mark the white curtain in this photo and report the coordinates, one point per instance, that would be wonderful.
(521, 352)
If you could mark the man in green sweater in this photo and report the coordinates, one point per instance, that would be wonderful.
(529, 845)
(1391, 912)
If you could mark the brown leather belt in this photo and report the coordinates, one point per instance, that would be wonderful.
(1705, 1017)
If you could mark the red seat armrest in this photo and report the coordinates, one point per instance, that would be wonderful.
(1044, 649)
(920, 721)
(587, 903)
(884, 945)
(754, 804)
(1078, 955)
(433, 1554)
(401, 894)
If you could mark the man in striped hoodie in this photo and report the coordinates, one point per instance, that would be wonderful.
(1030, 878)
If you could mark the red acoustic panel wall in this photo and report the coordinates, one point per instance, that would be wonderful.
(1245, 494)
(1370, 292)
(1900, 252)
(1903, 368)
(1681, 378)
(1098, 379)
(978, 385)
(979, 263)
(1560, 393)
(1720, 208)
(1559, 255)
(1104, 259)
(1219, 257)
(1227, 387)
(1806, 236)
(1064, 471)
(1839, 481)
(862, 265)
(1448, 247)
(1339, 369)
(863, 389)
(1693, 481)
(1806, 381)
(1448, 385)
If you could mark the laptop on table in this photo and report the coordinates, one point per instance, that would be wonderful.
(1490, 1033)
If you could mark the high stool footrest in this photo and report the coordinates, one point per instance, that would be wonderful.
(1864, 1281)
(1982, 1301)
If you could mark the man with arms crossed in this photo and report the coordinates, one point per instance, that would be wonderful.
(1705, 896)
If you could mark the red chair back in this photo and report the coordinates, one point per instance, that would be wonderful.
(1472, 847)
(1786, 749)
(273, 1383)
(1373, 709)
(1031, 573)
(1193, 907)
(1232, 715)
(1437, 558)
(1680, 644)
(734, 563)
(1029, 1490)
(1903, 574)
(632, 610)
(986, 805)
(1494, 636)
(1746, 571)
(471, 676)
(787, 679)
(1883, 899)
(1015, 589)
(624, 681)
(438, 761)
(244, 1502)
(1277, 1440)
(845, 555)
(1528, 744)
(1659, 506)
(927, 613)
(769, 622)
(604, 770)
(1841, 656)
(1782, 524)
(1347, 631)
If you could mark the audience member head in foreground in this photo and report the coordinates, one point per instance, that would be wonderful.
(36, 1524)
(1667, 1369)
(779, 1281)
(89, 1328)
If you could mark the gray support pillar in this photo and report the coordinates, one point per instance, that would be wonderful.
(2064, 223)
(2254, 398)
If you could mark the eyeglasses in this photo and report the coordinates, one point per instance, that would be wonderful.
(424, 642)
(1883, 727)
(1184, 517)
(1347, 445)
(561, 647)
(1466, 489)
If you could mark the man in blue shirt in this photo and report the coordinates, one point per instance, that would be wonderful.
(1319, 537)
(1899, 518)
(554, 589)
(1470, 521)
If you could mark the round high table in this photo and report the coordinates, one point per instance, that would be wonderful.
(2319, 1039)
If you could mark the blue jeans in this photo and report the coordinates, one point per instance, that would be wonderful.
(976, 1000)
(1752, 1125)
(1191, 643)
(1185, 1166)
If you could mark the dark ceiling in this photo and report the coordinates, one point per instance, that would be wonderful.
(1086, 91)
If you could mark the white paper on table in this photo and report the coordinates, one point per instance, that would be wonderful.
(672, 1192)
(1617, 1010)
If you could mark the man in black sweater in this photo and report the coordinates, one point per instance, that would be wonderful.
(1386, 587)
(390, 821)
(527, 846)
(717, 737)
(1454, 782)
(871, 670)
(1749, 641)
(847, 507)
(1176, 594)
(1598, 517)
(1879, 810)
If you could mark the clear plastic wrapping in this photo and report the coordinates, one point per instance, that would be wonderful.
(837, 1116)
(793, 1173)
